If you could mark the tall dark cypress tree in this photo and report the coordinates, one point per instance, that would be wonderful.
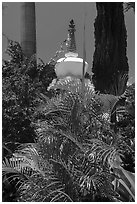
(109, 60)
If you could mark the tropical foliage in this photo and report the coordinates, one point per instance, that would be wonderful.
(22, 80)
(77, 155)
(129, 5)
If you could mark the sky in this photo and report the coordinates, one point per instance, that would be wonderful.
(52, 20)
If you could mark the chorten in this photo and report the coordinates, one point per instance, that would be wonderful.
(71, 64)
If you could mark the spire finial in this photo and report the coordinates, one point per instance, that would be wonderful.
(71, 43)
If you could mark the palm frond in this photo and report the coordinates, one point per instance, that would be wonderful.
(109, 101)
(14, 166)
(73, 85)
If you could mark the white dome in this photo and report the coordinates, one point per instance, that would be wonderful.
(70, 66)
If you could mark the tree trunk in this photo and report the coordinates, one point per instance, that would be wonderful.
(109, 60)
(28, 28)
